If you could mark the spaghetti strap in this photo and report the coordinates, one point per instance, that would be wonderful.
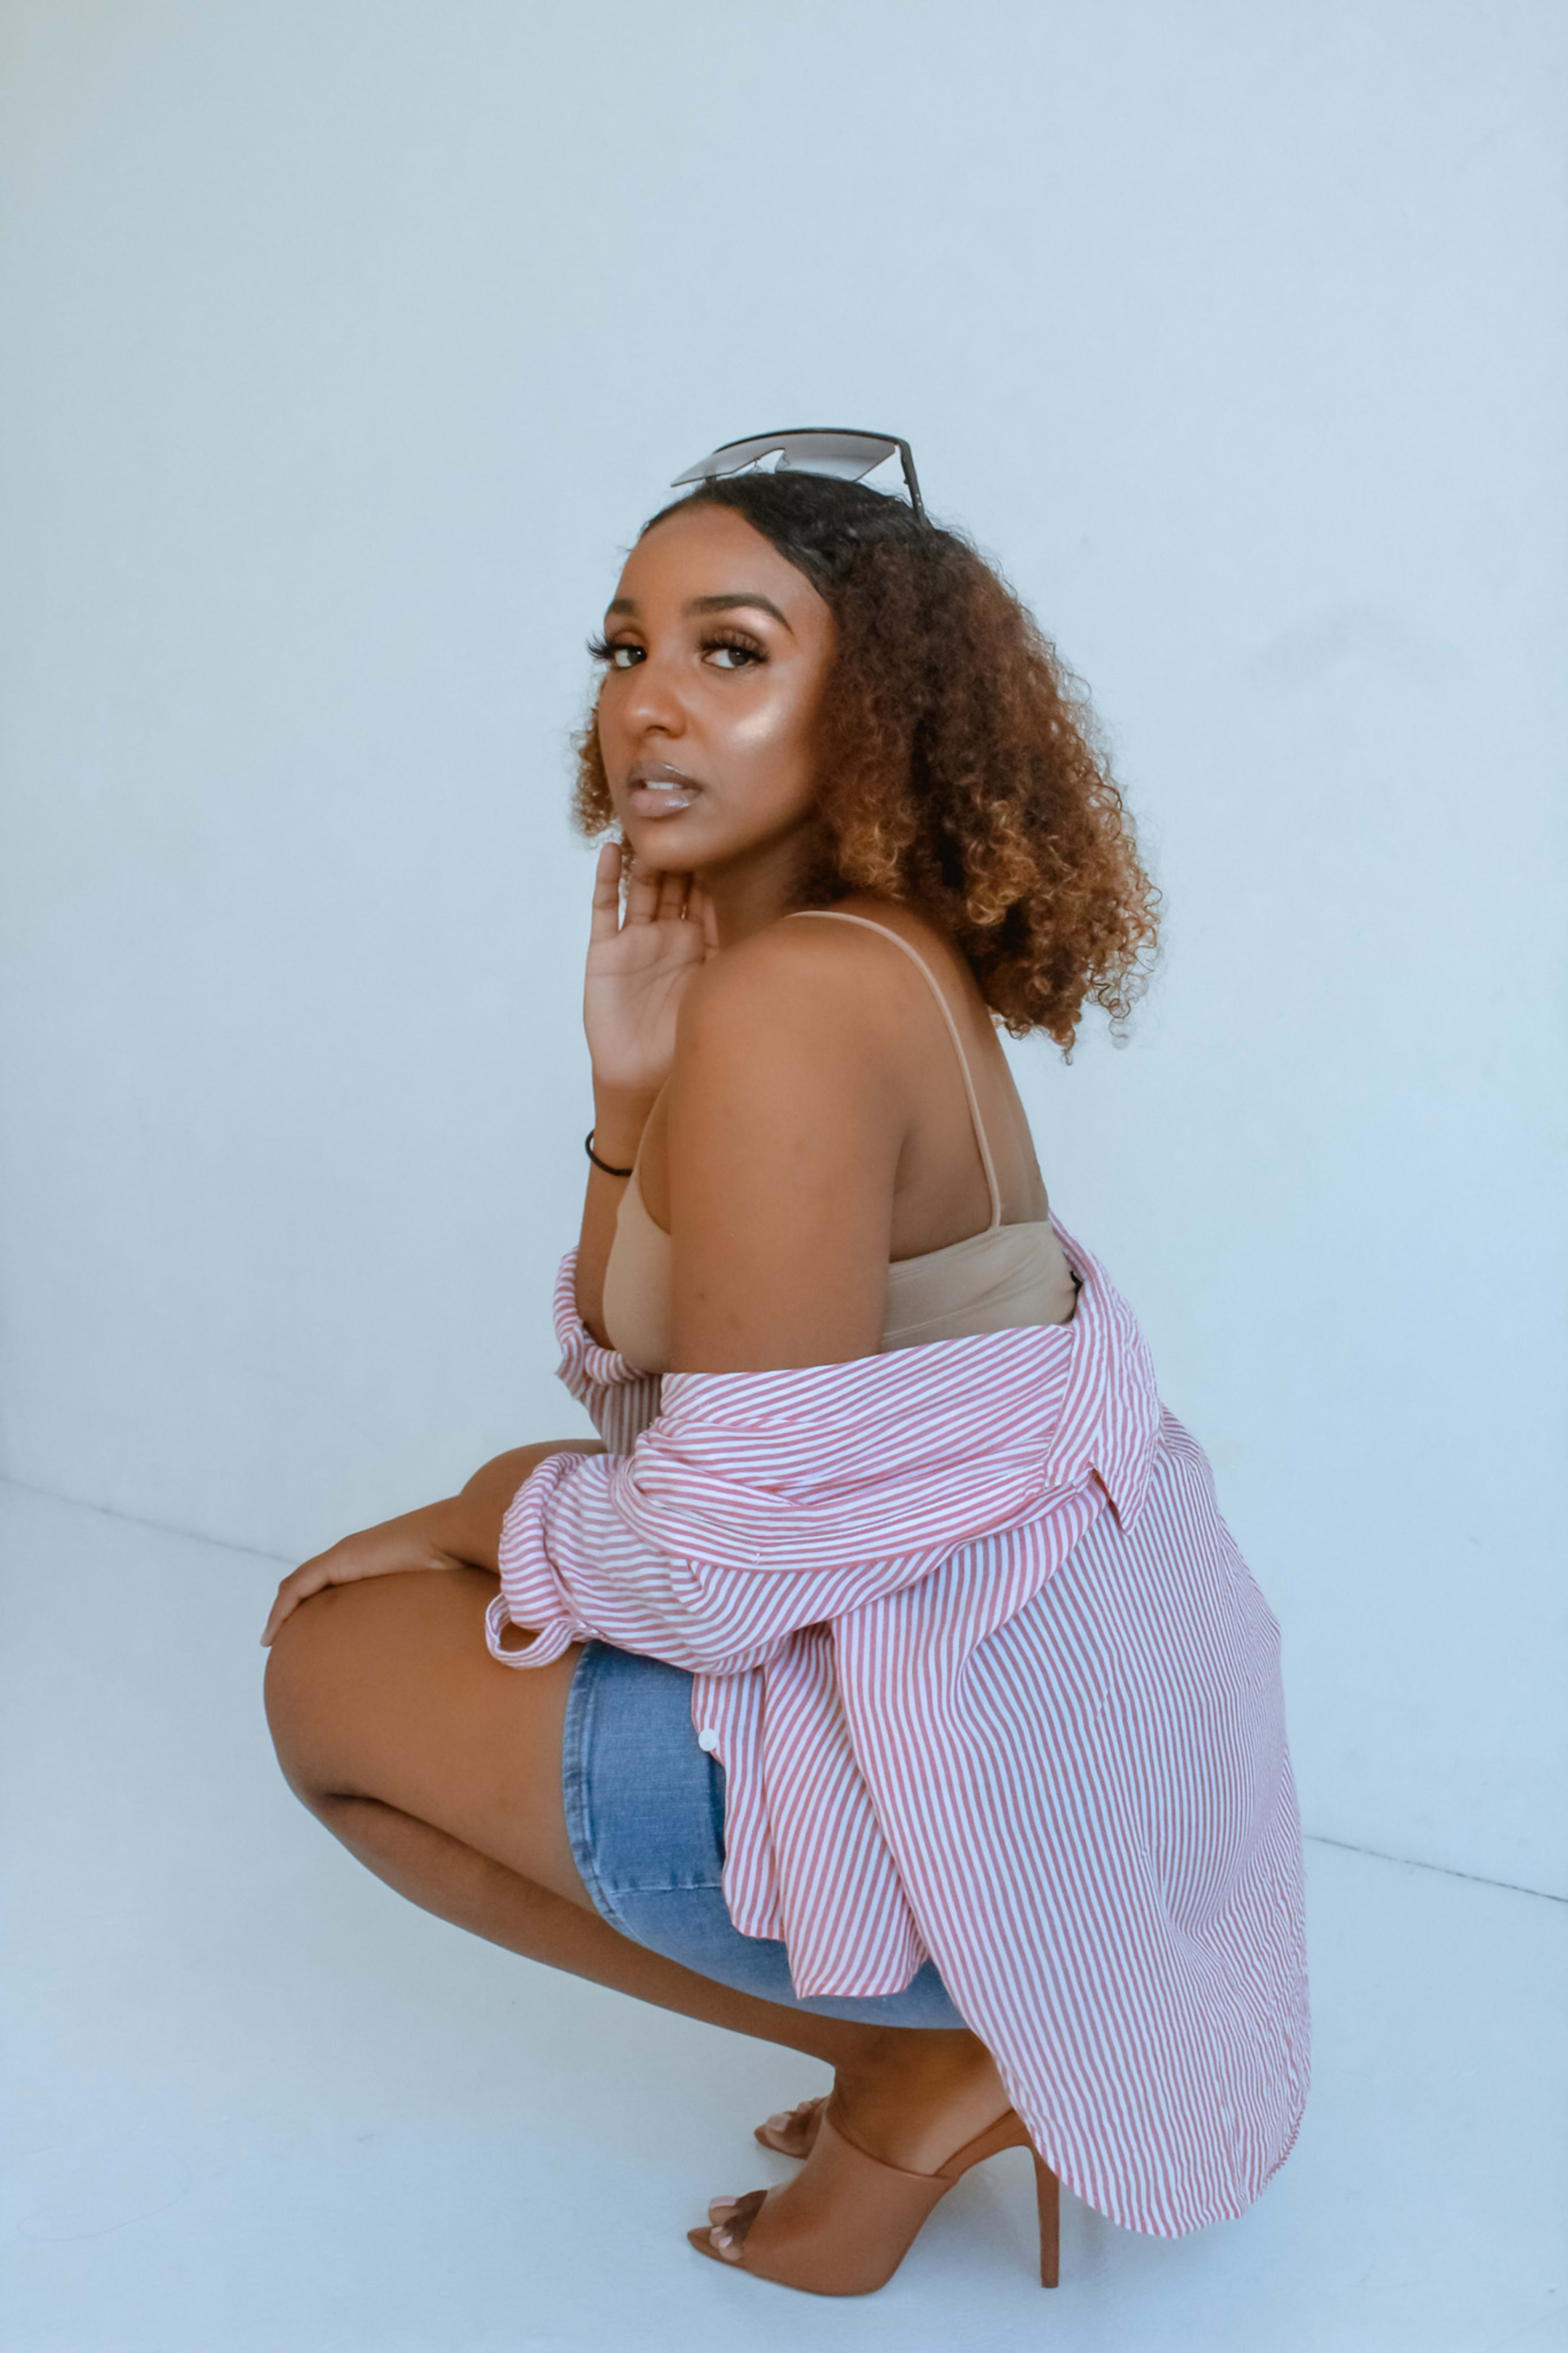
(834, 915)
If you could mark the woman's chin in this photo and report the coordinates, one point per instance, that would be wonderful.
(653, 853)
(668, 844)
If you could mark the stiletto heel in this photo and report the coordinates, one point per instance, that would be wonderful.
(846, 2221)
(1048, 2200)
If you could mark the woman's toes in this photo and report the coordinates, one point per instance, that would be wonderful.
(725, 2235)
(791, 2132)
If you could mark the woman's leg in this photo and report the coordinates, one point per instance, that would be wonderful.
(440, 1770)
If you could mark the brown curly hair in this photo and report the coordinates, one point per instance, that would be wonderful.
(961, 771)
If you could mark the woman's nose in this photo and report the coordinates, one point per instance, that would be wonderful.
(652, 701)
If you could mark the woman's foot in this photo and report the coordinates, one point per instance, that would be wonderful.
(793, 2130)
(913, 2105)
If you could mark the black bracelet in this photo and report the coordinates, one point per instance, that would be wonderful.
(588, 1148)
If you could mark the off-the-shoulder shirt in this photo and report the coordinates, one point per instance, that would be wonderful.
(990, 1683)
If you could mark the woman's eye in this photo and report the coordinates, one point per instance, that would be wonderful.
(619, 656)
(731, 655)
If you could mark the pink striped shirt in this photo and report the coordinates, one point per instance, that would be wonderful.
(991, 1684)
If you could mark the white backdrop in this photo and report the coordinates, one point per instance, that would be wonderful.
(347, 342)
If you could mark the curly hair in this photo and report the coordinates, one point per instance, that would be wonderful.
(961, 772)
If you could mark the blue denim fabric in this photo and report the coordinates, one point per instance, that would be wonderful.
(645, 1811)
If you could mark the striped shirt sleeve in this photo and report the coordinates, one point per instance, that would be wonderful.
(573, 1568)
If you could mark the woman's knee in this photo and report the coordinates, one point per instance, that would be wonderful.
(303, 1690)
(357, 1666)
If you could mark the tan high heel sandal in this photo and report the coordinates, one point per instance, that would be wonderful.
(846, 2223)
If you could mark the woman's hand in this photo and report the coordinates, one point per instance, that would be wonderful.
(637, 971)
(463, 1532)
(410, 1541)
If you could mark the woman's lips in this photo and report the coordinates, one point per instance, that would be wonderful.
(659, 791)
(660, 800)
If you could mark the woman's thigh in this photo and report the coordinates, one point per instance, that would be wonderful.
(384, 1689)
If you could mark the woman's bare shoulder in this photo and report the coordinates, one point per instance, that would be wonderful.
(794, 1033)
(805, 978)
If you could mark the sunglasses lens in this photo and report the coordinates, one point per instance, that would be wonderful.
(848, 456)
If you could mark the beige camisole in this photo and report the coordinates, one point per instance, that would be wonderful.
(992, 1281)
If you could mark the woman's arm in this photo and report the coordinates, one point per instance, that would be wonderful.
(460, 1531)
(789, 1107)
(722, 1537)
(572, 1567)
(637, 971)
(619, 1124)
(467, 1526)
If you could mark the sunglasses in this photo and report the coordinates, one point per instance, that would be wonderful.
(810, 449)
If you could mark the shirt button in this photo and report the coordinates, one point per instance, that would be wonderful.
(707, 1738)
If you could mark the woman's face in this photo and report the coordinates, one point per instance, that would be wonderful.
(716, 652)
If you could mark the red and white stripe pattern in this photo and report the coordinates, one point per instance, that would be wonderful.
(990, 1683)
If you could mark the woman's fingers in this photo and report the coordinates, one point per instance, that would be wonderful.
(295, 1588)
(700, 909)
(606, 917)
(657, 895)
(654, 895)
(642, 897)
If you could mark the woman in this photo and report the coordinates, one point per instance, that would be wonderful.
(893, 1688)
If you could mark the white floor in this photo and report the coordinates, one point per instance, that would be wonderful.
(254, 2104)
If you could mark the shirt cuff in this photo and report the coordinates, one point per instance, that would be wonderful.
(531, 1595)
(546, 1646)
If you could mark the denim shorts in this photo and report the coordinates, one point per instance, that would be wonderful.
(645, 1812)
